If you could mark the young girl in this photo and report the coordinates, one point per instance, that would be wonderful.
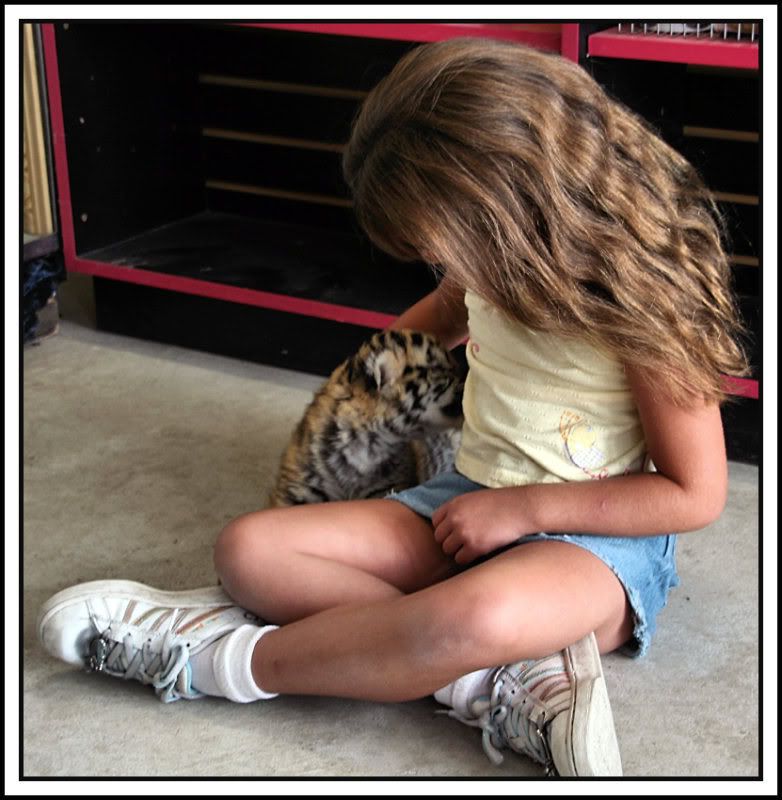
(581, 255)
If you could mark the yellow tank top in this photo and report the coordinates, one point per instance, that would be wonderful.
(540, 408)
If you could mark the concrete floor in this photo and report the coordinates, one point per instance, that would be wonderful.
(136, 454)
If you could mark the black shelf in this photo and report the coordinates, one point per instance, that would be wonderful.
(274, 257)
(236, 330)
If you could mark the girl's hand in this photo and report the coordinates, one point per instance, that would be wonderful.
(478, 522)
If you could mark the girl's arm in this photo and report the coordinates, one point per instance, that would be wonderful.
(442, 313)
(688, 491)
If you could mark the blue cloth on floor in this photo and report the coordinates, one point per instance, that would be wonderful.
(40, 278)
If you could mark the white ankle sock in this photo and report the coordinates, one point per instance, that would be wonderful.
(459, 694)
(224, 668)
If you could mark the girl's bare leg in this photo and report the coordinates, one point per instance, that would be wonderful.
(288, 563)
(376, 642)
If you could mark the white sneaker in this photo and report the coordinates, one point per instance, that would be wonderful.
(554, 710)
(130, 630)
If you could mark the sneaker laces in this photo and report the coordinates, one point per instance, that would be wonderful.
(164, 666)
(507, 718)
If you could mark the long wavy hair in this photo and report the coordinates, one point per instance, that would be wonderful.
(513, 173)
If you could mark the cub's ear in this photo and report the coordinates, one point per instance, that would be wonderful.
(359, 370)
(384, 367)
(356, 371)
(374, 368)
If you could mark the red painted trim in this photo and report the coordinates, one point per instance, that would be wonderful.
(234, 294)
(418, 32)
(58, 143)
(569, 47)
(741, 387)
(677, 49)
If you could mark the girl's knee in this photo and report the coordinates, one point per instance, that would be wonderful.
(243, 541)
(504, 627)
(487, 625)
(494, 624)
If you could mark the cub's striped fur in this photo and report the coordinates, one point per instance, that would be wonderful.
(386, 419)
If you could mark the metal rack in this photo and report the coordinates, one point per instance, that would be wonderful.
(708, 44)
(733, 31)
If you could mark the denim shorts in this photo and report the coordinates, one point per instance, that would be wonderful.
(644, 565)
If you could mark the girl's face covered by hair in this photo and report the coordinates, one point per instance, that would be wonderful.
(513, 171)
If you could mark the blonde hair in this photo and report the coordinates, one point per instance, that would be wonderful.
(521, 180)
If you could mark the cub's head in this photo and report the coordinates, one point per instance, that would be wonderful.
(411, 377)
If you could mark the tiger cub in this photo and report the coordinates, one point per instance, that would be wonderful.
(386, 419)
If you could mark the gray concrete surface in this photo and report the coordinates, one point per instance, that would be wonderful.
(136, 454)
